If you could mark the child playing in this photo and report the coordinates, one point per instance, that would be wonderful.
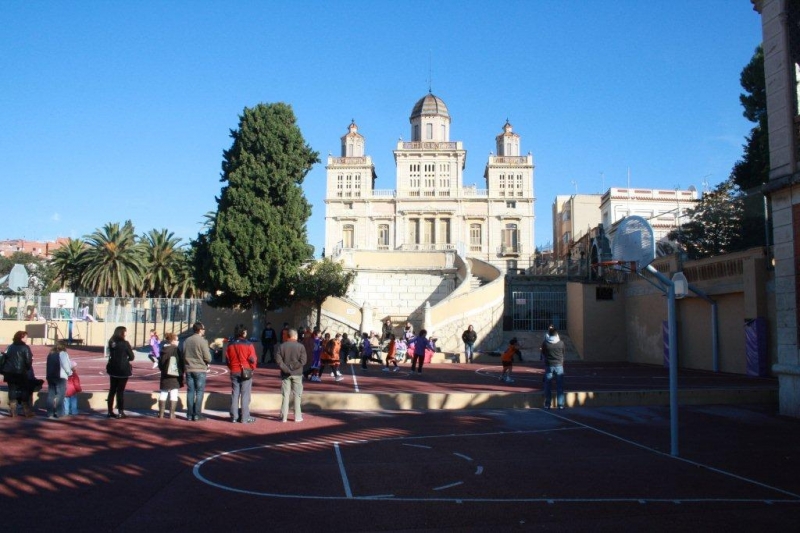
(312, 374)
(391, 349)
(330, 357)
(73, 388)
(508, 360)
(155, 348)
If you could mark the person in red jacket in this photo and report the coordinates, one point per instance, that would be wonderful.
(241, 357)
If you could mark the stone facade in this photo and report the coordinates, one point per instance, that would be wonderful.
(780, 20)
(430, 208)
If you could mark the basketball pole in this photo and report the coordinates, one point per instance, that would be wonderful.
(672, 325)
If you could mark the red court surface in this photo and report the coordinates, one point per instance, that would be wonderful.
(584, 469)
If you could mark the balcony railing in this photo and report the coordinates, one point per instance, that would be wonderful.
(506, 249)
(430, 146)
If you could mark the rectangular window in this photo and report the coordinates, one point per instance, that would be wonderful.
(429, 131)
(511, 204)
(383, 237)
(444, 231)
(428, 235)
(413, 231)
(510, 239)
(474, 237)
(348, 236)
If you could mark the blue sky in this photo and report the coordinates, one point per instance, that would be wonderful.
(121, 110)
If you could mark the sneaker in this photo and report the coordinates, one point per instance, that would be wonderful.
(339, 378)
(248, 421)
(155, 365)
(199, 418)
(385, 369)
(508, 380)
(338, 373)
(560, 406)
(332, 374)
(298, 419)
(395, 369)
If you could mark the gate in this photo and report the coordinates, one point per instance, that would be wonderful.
(535, 311)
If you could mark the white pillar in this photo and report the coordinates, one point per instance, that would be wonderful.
(366, 318)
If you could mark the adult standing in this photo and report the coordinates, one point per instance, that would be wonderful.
(242, 361)
(19, 362)
(268, 340)
(120, 355)
(291, 358)
(386, 330)
(171, 365)
(196, 358)
(553, 353)
(59, 369)
(469, 337)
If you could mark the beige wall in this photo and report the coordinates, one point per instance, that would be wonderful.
(597, 327)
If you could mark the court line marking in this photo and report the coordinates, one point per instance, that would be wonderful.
(347, 492)
(768, 501)
(682, 459)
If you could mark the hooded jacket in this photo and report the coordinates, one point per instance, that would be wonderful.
(553, 350)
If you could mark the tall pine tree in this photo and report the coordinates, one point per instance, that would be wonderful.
(250, 254)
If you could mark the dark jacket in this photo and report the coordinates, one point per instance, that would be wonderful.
(269, 337)
(120, 355)
(553, 350)
(291, 358)
(19, 359)
(469, 336)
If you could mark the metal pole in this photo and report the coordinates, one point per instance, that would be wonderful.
(673, 370)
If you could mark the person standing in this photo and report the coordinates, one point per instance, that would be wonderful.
(507, 359)
(330, 353)
(469, 337)
(58, 370)
(196, 358)
(155, 348)
(17, 366)
(553, 353)
(291, 357)
(242, 361)
(268, 340)
(73, 388)
(386, 330)
(120, 355)
(171, 366)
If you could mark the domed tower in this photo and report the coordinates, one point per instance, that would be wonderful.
(508, 141)
(352, 142)
(430, 120)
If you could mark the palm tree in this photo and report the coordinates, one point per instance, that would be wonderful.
(67, 263)
(164, 255)
(115, 262)
(185, 285)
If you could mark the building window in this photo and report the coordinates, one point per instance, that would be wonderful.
(428, 231)
(348, 236)
(510, 239)
(348, 205)
(339, 186)
(444, 231)
(416, 133)
(357, 185)
(383, 237)
(349, 150)
(511, 204)
(413, 231)
(429, 131)
(511, 266)
(475, 237)
(444, 133)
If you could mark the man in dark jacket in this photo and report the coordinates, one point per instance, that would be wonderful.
(553, 355)
(291, 358)
(469, 337)
(268, 340)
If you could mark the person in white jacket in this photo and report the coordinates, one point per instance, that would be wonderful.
(59, 369)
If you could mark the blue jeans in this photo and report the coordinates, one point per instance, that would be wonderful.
(195, 388)
(71, 405)
(56, 389)
(558, 371)
(240, 394)
(468, 352)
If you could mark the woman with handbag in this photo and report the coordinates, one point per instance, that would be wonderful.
(171, 365)
(242, 360)
(17, 368)
(73, 388)
(119, 369)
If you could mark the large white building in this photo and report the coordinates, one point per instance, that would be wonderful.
(430, 208)
(664, 209)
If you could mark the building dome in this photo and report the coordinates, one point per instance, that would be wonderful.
(429, 105)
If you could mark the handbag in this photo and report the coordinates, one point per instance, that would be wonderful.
(172, 367)
(247, 373)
